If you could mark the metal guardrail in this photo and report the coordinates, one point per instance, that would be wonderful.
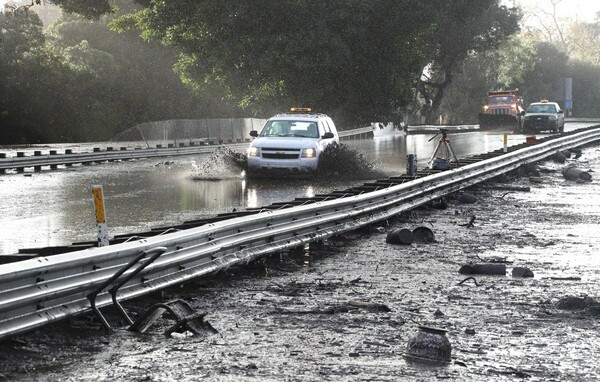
(53, 160)
(357, 131)
(46, 289)
(103, 156)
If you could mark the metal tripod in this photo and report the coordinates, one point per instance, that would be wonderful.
(443, 149)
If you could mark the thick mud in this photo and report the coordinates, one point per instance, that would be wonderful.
(299, 316)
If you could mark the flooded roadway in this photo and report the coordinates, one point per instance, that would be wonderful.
(287, 318)
(52, 208)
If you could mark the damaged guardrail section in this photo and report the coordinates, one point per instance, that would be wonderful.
(45, 289)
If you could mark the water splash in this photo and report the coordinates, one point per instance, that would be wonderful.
(223, 163)
(337, 161)
(343, 162)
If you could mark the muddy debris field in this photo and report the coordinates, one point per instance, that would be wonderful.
(345, 309)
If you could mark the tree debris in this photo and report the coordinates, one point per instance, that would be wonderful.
(467, 279)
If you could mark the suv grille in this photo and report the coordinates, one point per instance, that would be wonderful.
(280, 153)
(279, 156)
(500, 110)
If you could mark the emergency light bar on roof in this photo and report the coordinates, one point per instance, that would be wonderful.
(301, 110)
(502, 93)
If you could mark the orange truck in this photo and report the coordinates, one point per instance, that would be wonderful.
(502, 110)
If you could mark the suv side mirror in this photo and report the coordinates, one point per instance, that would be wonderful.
(523, 112)
(328, 135)
(253, 133)
(560, 111)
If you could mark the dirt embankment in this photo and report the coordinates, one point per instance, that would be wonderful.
(346, 309)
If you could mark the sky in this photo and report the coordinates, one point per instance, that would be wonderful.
(581, 10)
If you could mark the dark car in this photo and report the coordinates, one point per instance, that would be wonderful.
(543, 116)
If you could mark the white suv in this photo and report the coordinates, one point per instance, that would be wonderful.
(291, 141)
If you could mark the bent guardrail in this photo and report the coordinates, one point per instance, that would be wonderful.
(45, 289)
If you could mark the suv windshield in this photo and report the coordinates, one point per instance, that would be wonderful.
(541, 109)
(289, 128)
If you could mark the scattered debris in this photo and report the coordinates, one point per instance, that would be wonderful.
(569, 278)
(429, 345)
(343, 308)
(370, 306)
(566, 153)
(575, 303)
(559, 157)
(573, 173)
(470, 223)
(466, 198)
(535, 179)
(468, 279)
(399, 236)
(483, 269)
(423, 235)
(511, 188)
(522, 272)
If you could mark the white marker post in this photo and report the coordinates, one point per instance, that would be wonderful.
(505, 142)
(100, 216)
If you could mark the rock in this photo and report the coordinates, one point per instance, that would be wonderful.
(440, 164)
(575, 303)
(438, 313)
(466, 198)
(522, 272)
(575, 174)
(559, 157)
(470, 331)
(566, 153)
(439, 204)
(576, 151)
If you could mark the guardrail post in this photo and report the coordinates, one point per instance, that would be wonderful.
(505, 142)
(100, 216)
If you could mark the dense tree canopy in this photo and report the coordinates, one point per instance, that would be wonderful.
(461, 29)
(357, 60)
(354, 59)
(80, 81)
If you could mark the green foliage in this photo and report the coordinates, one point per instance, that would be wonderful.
(549, 67)
(461, 29)
(534, 68)
(353, 59)
(92, 9)
(586, 89)
(83, 82)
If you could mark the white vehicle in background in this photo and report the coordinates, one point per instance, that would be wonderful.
(292, 141)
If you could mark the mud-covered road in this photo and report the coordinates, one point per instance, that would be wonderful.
(288, 318)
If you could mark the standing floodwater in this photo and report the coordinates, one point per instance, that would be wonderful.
(55, 207)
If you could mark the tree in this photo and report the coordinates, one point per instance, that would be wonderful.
(501, 69)
(353, 59)
(586, 92)
(460, 30)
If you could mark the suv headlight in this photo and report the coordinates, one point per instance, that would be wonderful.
(309, 153)
(254, 152)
